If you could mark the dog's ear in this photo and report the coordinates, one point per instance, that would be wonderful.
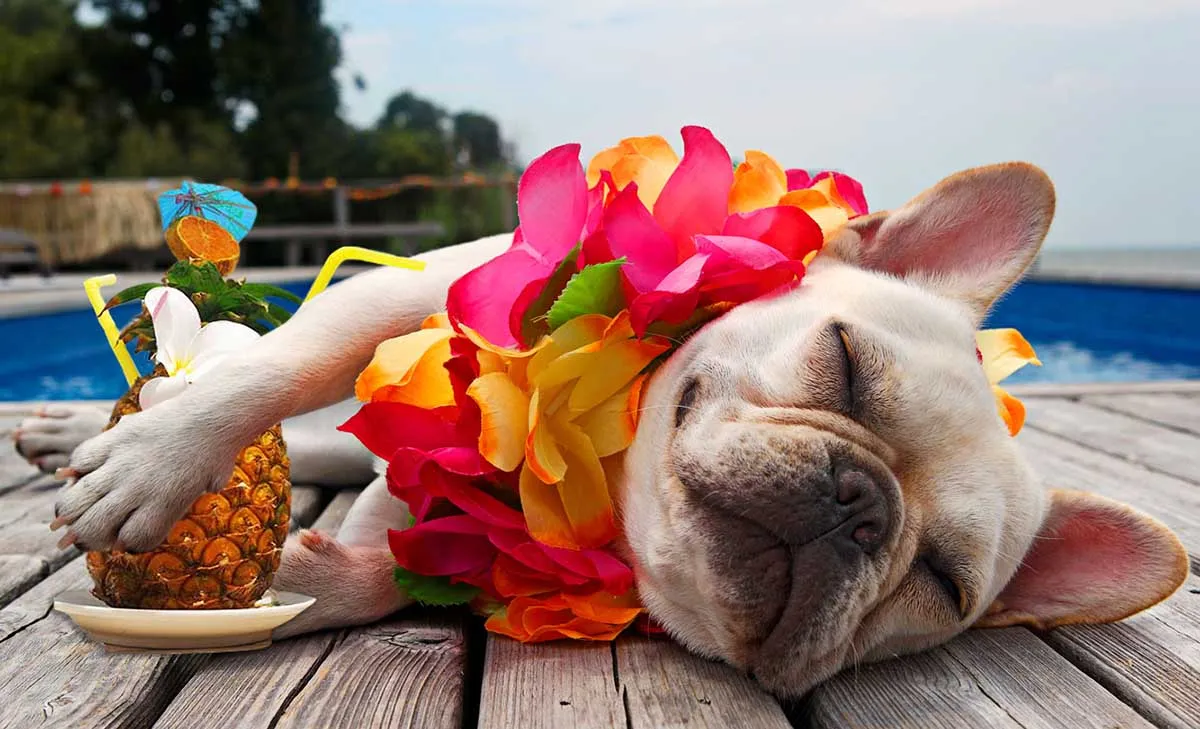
(969, 237)
(1093, 561)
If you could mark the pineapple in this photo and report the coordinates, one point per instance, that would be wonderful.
(225, 551)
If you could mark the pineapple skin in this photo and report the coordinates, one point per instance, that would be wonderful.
(224, 553)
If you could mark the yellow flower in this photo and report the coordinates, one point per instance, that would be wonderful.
(1003, 352)
(759, 182)
(583, 382)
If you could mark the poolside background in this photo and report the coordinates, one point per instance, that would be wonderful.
(1118, 316)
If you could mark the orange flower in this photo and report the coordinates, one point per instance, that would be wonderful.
(648, 161)
(1002, 352)
(830, 199)
(596, 616)
(410, 369)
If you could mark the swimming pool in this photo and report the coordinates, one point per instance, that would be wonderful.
(1082, 332)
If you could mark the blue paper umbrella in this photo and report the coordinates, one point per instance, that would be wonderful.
(227, 208)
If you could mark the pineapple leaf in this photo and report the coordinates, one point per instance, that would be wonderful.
(277, 314)
(133, 293)
(433, 591)
(262, 291)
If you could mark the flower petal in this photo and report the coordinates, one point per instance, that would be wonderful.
(797, 179)
(450, 545)
(215, 341)
(1003, 352)
(758, 183)
(504, 410)
(542, 454)
(645, 161)
(545, 516)
(552, 199)
(612, 424)
(612, 369)
(486, 298)
(1011, 410)
(827, 214)
(785, 228)
(176, 323)
(385, 427)
(409, 369)
(633, 234)
(160, 389)
(673, 300)
(695, 199)
(849, 191)
(586, 500)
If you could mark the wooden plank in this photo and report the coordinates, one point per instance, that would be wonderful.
(665, 686)
(549, 685)
(331, 518)
(1151, 661)
(255, 687)
(28, 549)
(18, 572)
(402, 672)
(1061, 463)
(1176, 411)
(984, 678)
(56, 675)
(1157, 448)
(51, 674)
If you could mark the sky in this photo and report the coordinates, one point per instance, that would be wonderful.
(1102, 94)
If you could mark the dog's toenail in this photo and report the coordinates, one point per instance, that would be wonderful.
(68, 539)
(58, 522)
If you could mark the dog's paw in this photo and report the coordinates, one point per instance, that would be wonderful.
(52, 433)
(353, 585)
(128, 485)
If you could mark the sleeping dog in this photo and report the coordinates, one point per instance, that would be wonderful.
(818, 477)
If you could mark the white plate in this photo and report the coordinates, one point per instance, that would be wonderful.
(180, 631)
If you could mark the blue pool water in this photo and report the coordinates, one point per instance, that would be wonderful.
(1083, 333)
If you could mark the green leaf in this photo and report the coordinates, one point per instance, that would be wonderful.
(433, 591)
(262, 291)
(133, 293)
(533, 326)
(278, 313)
(594, 290)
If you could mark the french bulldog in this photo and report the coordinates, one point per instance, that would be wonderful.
(819, 477)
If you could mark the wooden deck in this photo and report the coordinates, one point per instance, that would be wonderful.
(439, 670)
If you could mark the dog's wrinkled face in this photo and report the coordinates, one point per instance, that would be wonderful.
(822, 478)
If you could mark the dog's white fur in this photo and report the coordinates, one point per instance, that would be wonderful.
(837, 460)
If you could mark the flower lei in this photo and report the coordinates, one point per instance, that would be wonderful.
(502, 419)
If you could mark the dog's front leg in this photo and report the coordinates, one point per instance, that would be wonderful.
(137, 479)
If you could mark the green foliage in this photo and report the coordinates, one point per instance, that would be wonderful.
(216, 299)
(433, 591)
(594, 290)
(536, 322)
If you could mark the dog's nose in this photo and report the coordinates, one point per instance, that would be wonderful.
(866, 512)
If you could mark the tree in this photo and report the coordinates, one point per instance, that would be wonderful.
(43, 130)
(279, 64)
(477, 139)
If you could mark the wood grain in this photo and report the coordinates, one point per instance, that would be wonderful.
(50, 674)
(985, 678)
(1151, 661)
(1135, 440)
(254, 687)
(1177, 411)
(665, 686)
(331, 518)
(28, 549)
(1062, 463)
(549, 686)
(405, 672)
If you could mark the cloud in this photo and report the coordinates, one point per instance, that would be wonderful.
(897, 92)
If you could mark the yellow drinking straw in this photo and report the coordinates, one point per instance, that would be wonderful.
(338, 257)
(92, 287)
(355, 253)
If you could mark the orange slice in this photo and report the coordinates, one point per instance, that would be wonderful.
(194, 237)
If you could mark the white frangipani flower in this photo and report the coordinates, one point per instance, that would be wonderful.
(186, 349)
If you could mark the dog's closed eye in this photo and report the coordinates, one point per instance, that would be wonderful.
(687, 397)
